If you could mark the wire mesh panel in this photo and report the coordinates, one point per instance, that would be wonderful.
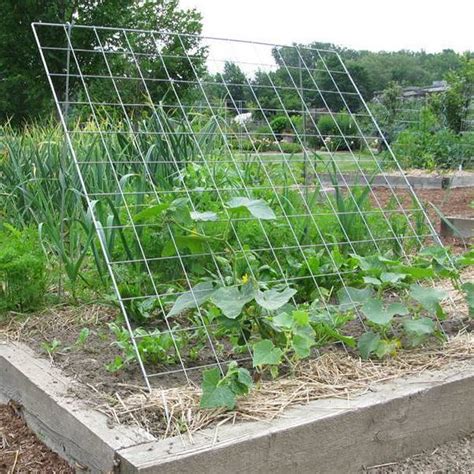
(220, 167)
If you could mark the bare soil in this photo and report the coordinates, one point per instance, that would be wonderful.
(451, 202)
(84, 362)
(21, 450)
(455, 456)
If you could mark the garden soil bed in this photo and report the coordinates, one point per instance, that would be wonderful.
(451, 202)
(21, 450)
(87, 362)
(333, 373)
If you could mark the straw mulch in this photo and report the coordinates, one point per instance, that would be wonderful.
(337, 374)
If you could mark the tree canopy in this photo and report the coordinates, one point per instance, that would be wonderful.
(24, 93)
(302, 69)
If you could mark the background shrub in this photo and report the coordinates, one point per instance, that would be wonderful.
(279, 124)
(290, 147)
(264, 131)
(334, 128)
(427, 145)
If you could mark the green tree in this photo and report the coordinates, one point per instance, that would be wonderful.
(337, 89)
(24, 93)
(456, 100)
(372, 71)
(392, 101)
(235, 89)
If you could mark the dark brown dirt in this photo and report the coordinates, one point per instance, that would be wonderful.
(21, 450)
(451, 202)
(455, 456)
(84, 362)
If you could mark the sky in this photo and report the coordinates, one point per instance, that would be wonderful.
(431, 25)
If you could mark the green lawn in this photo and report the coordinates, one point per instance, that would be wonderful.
(345, 161)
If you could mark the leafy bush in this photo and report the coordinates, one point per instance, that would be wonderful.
(22, 270)
(279, 124)
(298, 123)
(335, 128)
(428, 146)
(452, 106)
(290, 147)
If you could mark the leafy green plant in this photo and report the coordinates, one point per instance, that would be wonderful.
(279, 124)
(380, 315)
(327, 324)
(51, 347)
(193, 298)
(350, 208)
(23, 277)
(222, 392)
(417, 330)
(83, 336)
(379, 341)
(469, 292)
(274, 298)
(41, 188)
(373, 343)
(257, 207)
(429, 299)
(298, 333)
(287, 147)
(428, 145)
(265, 353)
(389, 323)
(231, 300)
(116, 365)
(154, 346)
(453, 104)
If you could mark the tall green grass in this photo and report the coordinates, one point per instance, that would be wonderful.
(39, 183)
(40, 186)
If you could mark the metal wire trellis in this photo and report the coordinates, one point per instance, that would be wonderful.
(150, 129)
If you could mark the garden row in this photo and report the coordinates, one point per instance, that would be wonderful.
(217, 257)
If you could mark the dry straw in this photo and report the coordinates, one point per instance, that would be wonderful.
(334, 374)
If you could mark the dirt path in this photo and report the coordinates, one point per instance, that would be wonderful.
(21, 451)
(456, 456)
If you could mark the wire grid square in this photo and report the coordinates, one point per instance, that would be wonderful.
(140, 106)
